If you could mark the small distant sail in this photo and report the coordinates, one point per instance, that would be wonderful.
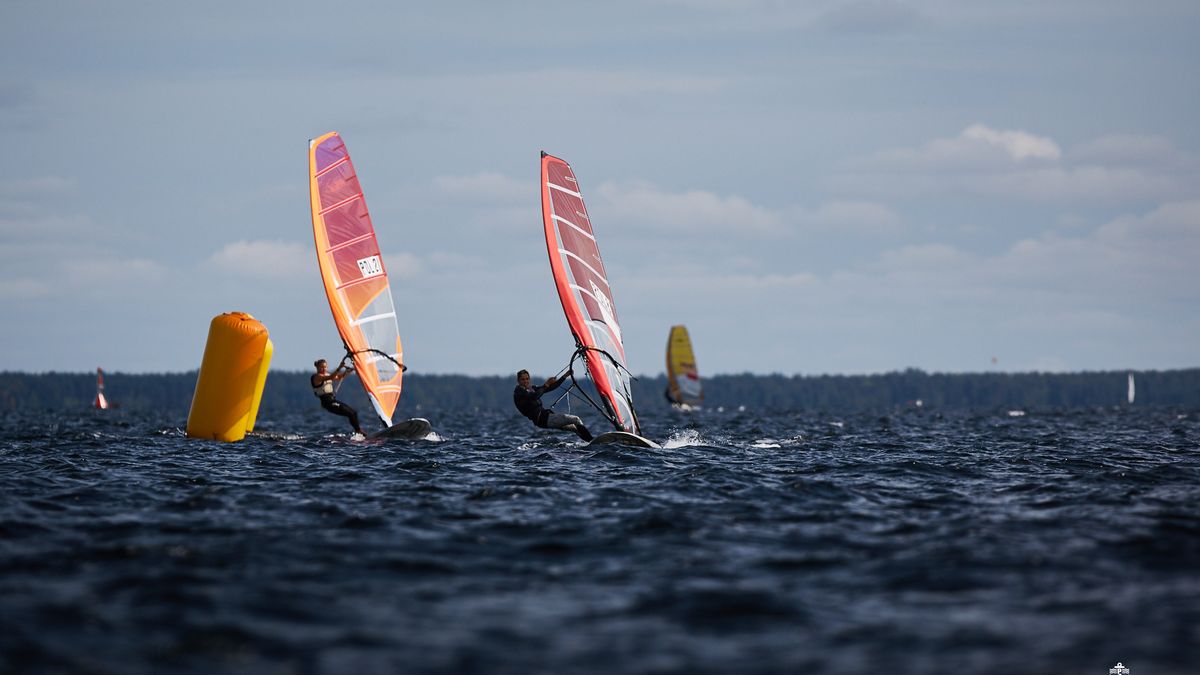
(683, 379)
(356, 282)
(1129, 394)
(100, 402)
(583, 290)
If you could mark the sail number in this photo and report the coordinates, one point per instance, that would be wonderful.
(370, 267)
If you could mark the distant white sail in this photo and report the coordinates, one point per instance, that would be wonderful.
(1129, 396)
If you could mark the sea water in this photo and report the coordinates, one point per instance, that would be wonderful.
(752, 542)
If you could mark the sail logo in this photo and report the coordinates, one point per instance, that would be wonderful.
(606, 310)
(370, 266)
(1119, 669)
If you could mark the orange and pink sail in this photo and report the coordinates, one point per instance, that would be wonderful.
(356, 281)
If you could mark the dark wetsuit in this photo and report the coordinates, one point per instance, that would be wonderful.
(529, 402)
(330, 403)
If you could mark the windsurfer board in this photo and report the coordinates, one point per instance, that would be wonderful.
(623, 438)
(411, 429)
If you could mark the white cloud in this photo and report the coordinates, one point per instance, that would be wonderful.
(1017, 164)
(486, 187)
(923, 257)
(37, 187)
(23, 289)
(1131, 261)
(584, 84)
(90, 273)
(30, 225)
(978, 147)
(1127, 149)
(276, 260)
(403, 265)
(849, 216)
(648, 206)
(1018, 144)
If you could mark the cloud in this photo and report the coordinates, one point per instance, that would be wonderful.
(438, 268)
(1018, 144)
(1129, 150)
(496, 201)
(403, 265)
(274, 260)
(579, 84)
(23, 290)
(848, 216)
(1133, 260)
(648, 206)
(977, 147)
(983, 161)
(92, 273)
(40, 187)
(31, 209)
(486, 187)
(27, 224)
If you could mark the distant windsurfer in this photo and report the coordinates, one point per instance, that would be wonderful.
(322, 384)
(528, 400)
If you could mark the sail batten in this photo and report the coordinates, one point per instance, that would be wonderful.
(334, 207)
(356, 282)
(580, 229)
(375, 317)
(584, 291)
(348, 242)
(591, 269)
(566, 190)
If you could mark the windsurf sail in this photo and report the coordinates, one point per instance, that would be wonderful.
(1130, 390)
(683, 380)
(100, 402)
(583, 289)
(356, 281)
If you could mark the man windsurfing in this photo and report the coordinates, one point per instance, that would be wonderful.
(322, 384)
(528, 400)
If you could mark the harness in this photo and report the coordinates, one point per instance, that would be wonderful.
(324, 389)
(581, 351)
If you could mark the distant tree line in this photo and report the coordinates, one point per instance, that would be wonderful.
(287, 391)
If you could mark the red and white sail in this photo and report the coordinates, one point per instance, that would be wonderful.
(583, 289)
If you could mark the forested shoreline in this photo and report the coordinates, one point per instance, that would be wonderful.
(288, 390)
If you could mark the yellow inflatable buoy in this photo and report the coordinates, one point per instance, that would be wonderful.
(232, 376)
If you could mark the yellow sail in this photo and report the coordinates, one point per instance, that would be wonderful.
(683, 379)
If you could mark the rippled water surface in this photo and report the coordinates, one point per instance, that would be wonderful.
(1054, 542)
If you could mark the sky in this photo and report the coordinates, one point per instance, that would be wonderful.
(810, 187)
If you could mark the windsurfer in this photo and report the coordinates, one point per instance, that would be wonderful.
(322, 384)
(529, 401)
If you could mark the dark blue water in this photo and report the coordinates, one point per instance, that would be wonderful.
(1055, 542)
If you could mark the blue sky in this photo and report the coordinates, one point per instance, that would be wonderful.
(825, 187)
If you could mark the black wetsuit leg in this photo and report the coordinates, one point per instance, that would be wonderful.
(338, 408)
